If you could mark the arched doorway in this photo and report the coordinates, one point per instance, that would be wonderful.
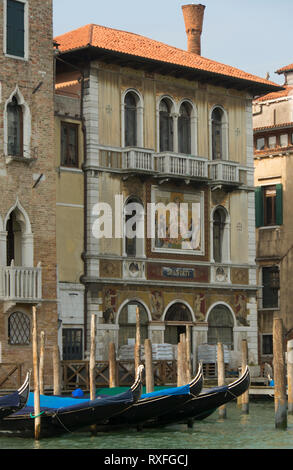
(220, 326)
(127, 323)
(177, 317)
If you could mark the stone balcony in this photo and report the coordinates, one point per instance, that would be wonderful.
(184, 166)
(227, 173)
(172, 165)
(20, 284)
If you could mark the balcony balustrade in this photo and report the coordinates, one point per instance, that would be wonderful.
(170, 164)
(186, 166)
(21, 284)
(224, 172)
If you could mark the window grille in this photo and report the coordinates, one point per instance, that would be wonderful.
(19, 329)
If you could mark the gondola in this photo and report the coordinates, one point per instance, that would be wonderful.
(206, 403)
(15, 401)
(68, 415)
(155, 404)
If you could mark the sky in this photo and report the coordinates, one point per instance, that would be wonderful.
(253, 35)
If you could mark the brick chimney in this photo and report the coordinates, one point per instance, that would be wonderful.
(193, 17)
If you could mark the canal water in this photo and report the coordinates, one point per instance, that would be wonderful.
(237, 431)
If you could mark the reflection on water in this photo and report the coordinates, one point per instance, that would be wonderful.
(253, 431)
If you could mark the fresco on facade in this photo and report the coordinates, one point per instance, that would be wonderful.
(178, 221)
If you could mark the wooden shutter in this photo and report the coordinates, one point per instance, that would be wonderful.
(15, 28)
(279, 204)
(259, 210)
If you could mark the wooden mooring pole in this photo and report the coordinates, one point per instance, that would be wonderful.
(42, 363)
(184, 358)
(93, 358)
(221, 376)
(149, 373)
(279, 375)
(112, 366)
(188, 354)
(245, 396)
(179, 364)
(56, 370)
(37, 409)
(290, 375)
(137, 343)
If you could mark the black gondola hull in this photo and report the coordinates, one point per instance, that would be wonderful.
(145, 410)
(15, 401)
(204, 405)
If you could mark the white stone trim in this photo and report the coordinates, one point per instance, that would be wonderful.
(193, 124)
(133, 299)
(172, 111)
(27, 238)
(226, 305)
(179, 301)
(226, 252)
(26, 123)
(140, 117)
(225, 132)
(26, 31)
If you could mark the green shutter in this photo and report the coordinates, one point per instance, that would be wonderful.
(279, 204)
(259, 212)
(15, 28)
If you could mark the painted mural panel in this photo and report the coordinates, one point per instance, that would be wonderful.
(177, 221)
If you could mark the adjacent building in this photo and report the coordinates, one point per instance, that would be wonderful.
(273, 150)
(141, 123)
(27, 181)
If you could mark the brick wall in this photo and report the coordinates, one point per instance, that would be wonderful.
(17, 178)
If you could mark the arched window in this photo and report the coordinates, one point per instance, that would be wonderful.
(19, 329)
(220, 326)
(130, 110)
(14, 128)
(19, 237)
(218, 234)
(184, 129)
(179, 314)
(166, 126)
(134, 228)
(127, 323)
(217, 134)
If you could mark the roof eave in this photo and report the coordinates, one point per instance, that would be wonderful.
(163, 67)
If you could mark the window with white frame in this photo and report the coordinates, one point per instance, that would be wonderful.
(16, 28)
(17, 126)
(184, 128)
(166, 126)
(219, 134)
(134, 228)
(132, 119)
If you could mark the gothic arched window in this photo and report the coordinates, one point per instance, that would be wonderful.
(15, 128)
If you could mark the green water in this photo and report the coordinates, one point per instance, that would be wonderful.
(237, 431)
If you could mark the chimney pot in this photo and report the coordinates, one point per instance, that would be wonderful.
(193, 18)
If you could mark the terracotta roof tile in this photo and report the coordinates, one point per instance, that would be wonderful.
(140, 46)
(287, 68)
(276, 94)
(273, 126)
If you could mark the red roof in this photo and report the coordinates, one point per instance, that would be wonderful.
(276, 94)
(139, 46)
(287, 68)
